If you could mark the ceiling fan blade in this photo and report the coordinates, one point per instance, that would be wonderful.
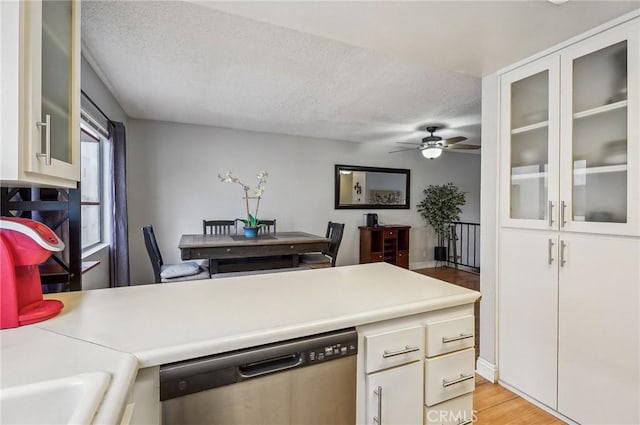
(401, 150)
(408, 143)
(466, 147)
(453, 140)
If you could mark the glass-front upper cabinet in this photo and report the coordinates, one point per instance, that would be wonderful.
(599, 154)
(53, 66)
(529, 135)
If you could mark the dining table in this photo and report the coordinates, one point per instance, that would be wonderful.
(235, 253)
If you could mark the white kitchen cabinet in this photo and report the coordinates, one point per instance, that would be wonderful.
(41, 112)
(569, 325)
(528, 315)
(394, 396)
(570, 137)
(599, 330)
(569, 256)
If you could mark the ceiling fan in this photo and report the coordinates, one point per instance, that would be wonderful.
(432, 146)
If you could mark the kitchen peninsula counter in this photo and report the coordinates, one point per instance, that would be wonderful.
(169, 322)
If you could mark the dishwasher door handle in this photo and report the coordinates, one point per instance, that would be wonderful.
(255, 369)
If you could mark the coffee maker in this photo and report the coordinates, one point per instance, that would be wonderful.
(372, 220)
(24, 244)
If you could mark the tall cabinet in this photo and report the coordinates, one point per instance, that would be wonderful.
(569, 250)
(40, 130)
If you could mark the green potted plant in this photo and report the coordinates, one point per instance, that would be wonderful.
(251, 223)
(441, 205)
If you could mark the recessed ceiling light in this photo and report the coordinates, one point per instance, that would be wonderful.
(557, 2)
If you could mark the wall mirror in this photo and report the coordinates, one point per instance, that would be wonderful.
(371, 187)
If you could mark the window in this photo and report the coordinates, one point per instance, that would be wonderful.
(93, 145)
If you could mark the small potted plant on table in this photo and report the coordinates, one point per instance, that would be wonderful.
(441, 206)
(251, 223)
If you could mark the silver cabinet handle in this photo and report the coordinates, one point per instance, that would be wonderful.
(462, 378)
(378, 419)
(563, 245)
(456, 338)
(405, 350)
(551, 244)
(467, 422)
(550, 213)
(563, 206)
(47, 139)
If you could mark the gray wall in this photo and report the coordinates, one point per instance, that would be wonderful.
(98, 277)
(173, 184)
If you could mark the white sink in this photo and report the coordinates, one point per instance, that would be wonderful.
(72, 400)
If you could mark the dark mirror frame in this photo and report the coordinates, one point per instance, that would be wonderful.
(403, 171)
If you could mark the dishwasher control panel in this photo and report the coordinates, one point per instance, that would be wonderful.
(329, 352)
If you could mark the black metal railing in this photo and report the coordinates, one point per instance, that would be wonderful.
(464, 245)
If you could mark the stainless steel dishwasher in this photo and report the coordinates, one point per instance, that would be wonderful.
(309, 380)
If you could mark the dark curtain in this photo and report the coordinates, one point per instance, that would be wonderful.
(119, 250)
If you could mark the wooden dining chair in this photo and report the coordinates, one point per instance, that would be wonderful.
(218, 227)
(328, 257)
(267, 227)
(164, 273)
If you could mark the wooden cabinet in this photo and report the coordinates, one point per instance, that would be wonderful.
(385, 243)
(569, 281)
(41, 110)
(569, 138)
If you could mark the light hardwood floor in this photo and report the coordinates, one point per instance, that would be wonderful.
(492, 404)
(495, 405)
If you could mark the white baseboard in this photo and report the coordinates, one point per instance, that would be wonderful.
(487, 370)
(422, 265)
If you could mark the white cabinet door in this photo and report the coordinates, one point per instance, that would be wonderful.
(528, 312)
(599, 330)
(52, 93)
(599, 157)
(529, 145)
(394, 396)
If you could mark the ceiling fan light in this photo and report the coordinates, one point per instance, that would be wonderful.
(431, 152)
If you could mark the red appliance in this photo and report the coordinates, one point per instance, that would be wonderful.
(24, 244)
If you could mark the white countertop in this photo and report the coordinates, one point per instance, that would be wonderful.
(165, 323)
(31, 355)
(120, 329)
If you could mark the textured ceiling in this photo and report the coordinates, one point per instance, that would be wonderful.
(364, 72)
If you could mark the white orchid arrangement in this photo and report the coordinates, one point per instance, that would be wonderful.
(252, 220)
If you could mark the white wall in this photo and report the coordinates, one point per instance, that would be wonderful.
(489, 218)
(172, 184)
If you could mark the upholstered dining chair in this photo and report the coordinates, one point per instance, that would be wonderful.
(218, 227)
(327, 258)
(163, 273)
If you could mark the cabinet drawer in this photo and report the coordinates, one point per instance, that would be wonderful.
(394, 348)
(457, 411)
(449, 376)
(390, 233)
(450, 335)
